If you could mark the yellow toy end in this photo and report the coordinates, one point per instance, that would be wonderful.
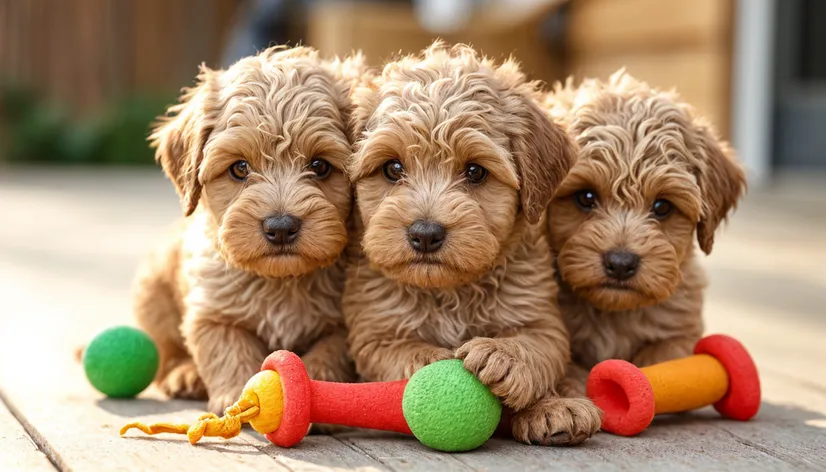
(265, 386)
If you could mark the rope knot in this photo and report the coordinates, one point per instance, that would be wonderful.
(261, 404)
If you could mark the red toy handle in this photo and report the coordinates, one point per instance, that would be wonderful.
(374, 405)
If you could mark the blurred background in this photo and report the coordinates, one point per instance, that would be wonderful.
(81, 79)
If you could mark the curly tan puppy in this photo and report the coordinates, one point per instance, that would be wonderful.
(257, 154)
(649, 175)
(453, 172)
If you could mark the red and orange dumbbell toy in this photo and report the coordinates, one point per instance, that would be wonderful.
(443, 405)
(721, 373)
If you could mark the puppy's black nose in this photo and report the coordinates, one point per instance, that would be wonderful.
(620, 265)
(426, 236)
(281, 229)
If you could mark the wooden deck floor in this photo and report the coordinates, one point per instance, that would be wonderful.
(70, 240)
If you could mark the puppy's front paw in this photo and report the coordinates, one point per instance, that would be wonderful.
(221, 401)
(557, 422)
(500, 364)
(426, 357)
(183, 381)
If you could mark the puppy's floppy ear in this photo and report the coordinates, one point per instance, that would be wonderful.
(722, 183)
(543, 154)
(180, 135)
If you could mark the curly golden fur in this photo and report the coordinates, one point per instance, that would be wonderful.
(221, 294)
(639, 147)
(487, 293)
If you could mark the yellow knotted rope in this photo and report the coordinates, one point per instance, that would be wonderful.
(261, 405)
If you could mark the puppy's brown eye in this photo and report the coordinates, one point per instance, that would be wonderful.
(661, 209)
(393, 170)
(320, 167)
(239, 170)
(586, 199)
(476, 174)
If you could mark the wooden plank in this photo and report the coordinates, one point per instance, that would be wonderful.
(405, 453)
(525, 42)
(83, 53)
(381, 31)
(24, 46)
(79, 434)
(65, 77)
(327, 32)
(503, 455)
(665, 42)
(699, 75)
(115, 50)
(318, 453)
(18, 452)
(226, 11)
(5, 43)
(680, 443)
(793, 435)
(501, 16)
(603, 26)
(157, 42)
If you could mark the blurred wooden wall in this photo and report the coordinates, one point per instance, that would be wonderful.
(384, 30)
(84, 52)
(682, 44)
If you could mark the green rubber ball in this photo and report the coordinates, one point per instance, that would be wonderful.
(448, 408)
(121, 362)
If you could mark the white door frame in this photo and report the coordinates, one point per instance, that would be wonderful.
(752, 86)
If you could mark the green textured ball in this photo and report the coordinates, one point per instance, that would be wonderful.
(448, 408)
(121, 362)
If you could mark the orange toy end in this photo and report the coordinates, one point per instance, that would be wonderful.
(624, 394)
(742, 401)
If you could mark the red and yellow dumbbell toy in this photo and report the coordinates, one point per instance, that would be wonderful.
(443, 405)
(720, 373)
